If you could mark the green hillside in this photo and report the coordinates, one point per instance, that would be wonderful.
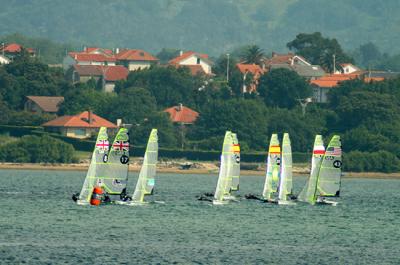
(212, 26)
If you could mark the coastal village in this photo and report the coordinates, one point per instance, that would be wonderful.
(110, 66)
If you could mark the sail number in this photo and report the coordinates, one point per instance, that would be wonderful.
(124, 159)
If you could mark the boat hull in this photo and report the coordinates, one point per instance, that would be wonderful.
(282, 202)
(217, 202)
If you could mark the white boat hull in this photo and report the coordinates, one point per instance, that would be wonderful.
(282, 202)
(327, 202)
(217, 202)
(81, 202)
(131, 203)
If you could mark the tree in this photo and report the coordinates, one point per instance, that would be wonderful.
(283, 88)
(253, 55)
(167, 54)
(319, 50)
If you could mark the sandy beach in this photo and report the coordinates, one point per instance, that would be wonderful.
(181, 167)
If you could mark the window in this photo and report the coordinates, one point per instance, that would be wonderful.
(198, 60)
(80, 132)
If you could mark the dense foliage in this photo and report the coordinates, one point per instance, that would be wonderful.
(34, 149)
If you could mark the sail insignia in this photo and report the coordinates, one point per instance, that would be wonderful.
(273, 168)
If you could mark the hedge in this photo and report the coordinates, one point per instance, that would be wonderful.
(138, 151)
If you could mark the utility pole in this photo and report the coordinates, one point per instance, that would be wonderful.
(334, 63)
(227, 68)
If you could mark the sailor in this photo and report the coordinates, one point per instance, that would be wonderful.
(97, 196)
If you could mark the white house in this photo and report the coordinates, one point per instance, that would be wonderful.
(135, 59)
(191, 58)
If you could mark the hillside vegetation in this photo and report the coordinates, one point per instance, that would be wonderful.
(205, 25)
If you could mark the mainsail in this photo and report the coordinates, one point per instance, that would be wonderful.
(99, 158)
(225, 170)
(285, 180)
(308, 194)
(235, 163)
(145, 183)
(328, 184)
(273, 168)
(115, 174)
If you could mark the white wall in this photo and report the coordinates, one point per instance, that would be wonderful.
(192, 60)
(135, 65)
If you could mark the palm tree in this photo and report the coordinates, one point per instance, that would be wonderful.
(253, 55)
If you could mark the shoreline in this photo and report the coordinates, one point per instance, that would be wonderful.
(199, 168)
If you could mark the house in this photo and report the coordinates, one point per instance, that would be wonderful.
(82, 125)
(255, 70)
(90, 56)
(41, 104)
(193, 61)
(13, 49)
(323, 85)
(108, 75)
(4, 59)
(294, 63)
(135, 59)
(348, 68)
(182, 115)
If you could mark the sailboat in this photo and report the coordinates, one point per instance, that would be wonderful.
(145, 183)
(225, 182)
(108, 169)
(99, 156)
(325, 179)
(273, 169)
(285, 180)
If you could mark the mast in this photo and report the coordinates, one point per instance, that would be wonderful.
(145, 183)
(273, 168)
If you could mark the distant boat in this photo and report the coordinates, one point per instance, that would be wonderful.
(230, 151)
(326, 172)
(146, 181)
(108, 170)
(285, 181)
(273, 169)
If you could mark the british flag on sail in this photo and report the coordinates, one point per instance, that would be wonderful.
(335, 151)
(121, 146)
(102, 145)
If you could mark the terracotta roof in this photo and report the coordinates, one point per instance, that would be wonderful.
(111, 72)
(333, 80)
(251, 68)
(15, 48)
(283, 58)
(47, 104)
(100, 50)
(91, 57)
(182, 114)
(80, 121)
(373, 79)
(135, 55)
(186, 55)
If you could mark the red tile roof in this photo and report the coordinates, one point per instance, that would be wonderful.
(333, 80)
(251, 68)
(80, 121)
(91, 57)
(282, 58)
(47, 104)
(182, 114)
(135, 55)
(15, 48)
(186, 55)
(111, 72)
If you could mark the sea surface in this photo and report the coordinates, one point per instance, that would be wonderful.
(40, 224)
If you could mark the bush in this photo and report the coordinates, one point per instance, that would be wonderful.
(34, 149)
(381, 161)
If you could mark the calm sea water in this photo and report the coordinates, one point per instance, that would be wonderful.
(40, 224)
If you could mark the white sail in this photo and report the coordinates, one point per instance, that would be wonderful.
(285, 180)
(225, 170)
(308, 193)
(235, 163)
(329, 178)
(273, 168)
(115, 175)
(145, 183)
(99, 158)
